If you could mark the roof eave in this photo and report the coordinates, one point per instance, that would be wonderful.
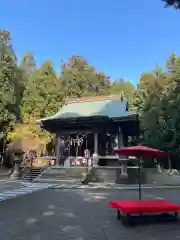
(128, 117)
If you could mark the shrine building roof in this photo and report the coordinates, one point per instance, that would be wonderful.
(113, 107)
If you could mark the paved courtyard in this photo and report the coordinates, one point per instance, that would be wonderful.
(79, 215)
(12, 189)
(9, 186)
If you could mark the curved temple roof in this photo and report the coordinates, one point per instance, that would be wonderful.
(110, 106)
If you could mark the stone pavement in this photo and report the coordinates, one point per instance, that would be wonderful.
(12, 189)
(111, 186)
(66, 214)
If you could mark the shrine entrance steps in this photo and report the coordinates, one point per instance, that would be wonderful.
(84, 175)
(33, 174)
(61, 174)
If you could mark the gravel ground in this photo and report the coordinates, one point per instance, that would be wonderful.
(78, 215)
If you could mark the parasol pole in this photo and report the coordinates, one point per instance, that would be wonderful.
(139, 177)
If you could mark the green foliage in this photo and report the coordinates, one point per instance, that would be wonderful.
(160, 112)
(43, 94)
(79, 78)
(28, 92)
(172, 3)
(10, 78)
(30, 136)
(121, 87)
(28, 63)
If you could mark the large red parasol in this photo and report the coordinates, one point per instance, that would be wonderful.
(140, 151)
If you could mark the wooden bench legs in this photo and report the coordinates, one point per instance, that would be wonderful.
(118, 215)
(129, 220)
(176, 216)
(125, 218)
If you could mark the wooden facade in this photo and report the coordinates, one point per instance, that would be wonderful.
(98, 124)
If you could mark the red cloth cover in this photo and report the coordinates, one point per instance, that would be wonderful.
(144, 206)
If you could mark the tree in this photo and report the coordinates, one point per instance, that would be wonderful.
(9, 75)
(28, 63)
(160, 109)
(29, 137)
(137, 101)
(10, 87)
(43, 94)
(173, 3)
(5, 38)
(28, 93)
(123, 87)
(147, 101)
(79, 78)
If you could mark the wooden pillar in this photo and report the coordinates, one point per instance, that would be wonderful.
(69, 146)
(120, 138)
(95, 142)
(58, 149)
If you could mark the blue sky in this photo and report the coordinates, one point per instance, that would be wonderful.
(120, 38)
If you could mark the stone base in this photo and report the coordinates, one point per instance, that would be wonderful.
(113, 175)
(15, 176)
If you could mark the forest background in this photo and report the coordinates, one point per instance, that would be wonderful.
(29, 92)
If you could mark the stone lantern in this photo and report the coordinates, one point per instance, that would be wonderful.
(123, 163)
(17, 158)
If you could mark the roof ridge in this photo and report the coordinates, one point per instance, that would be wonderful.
(94, 98)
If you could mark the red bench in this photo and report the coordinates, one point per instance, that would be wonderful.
(127, 208)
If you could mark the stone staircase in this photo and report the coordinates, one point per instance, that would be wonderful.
(79, 175)
(63, 174)
(33, 174)
(57, 174)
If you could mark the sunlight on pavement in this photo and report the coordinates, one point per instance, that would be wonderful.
(30, 221)
(73, 230)
(69, 228)
(151, 196)
(49, 213)
(93, 196)
(51, 206)
(70, 215)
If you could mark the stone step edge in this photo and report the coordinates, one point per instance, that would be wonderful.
(120, 187)
(47, 180)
